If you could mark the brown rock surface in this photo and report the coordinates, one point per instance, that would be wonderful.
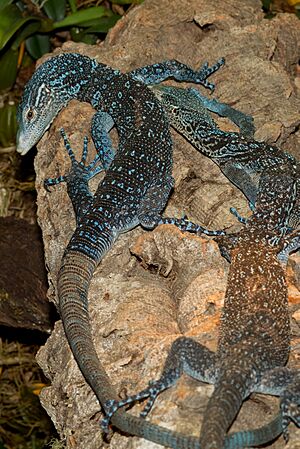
(154, 286)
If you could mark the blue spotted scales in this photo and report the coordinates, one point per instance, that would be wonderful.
(134, 191)
(240, 157)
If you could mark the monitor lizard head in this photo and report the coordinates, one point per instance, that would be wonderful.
(52, 86)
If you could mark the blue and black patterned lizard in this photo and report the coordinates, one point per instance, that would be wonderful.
(241, 158)
(255, 332)
(134, 191)
(53, 86)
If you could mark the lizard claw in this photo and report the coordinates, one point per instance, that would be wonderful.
(53, 182)
(111, 406)
(205, 71)
(290, 407)
(110, 409)
(79, 169)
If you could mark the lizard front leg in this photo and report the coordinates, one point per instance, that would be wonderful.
(156, 73)
(102, 123)
(77, 178)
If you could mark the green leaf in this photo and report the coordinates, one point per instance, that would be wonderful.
(8, 125)
(266, 4)
(11, 21)
(89, 39)
(4, 3)
(82, 17)
(55, 9)
(90, 35)
(73, 5)
(8, 64)
(38, 45)
(104, 24)
(26, 30)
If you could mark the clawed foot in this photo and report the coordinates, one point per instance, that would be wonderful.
(150, 222)
(205, 71)
(154, 389)
(290, 407)
(236, 214)
(185, 225)
(79, 170)
(188, 226)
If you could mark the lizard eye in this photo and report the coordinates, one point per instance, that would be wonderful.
(29, 114)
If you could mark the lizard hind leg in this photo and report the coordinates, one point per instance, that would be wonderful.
(186, 355)
(285, 383)
(243, 121)
(290, 406)
(154, 202)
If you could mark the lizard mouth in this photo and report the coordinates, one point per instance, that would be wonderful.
(22, 144)
(25, 142)
(22, 151)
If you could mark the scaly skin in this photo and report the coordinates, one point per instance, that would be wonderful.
(254, 332)
(241, 158)
(134, 191)
(144, 153)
